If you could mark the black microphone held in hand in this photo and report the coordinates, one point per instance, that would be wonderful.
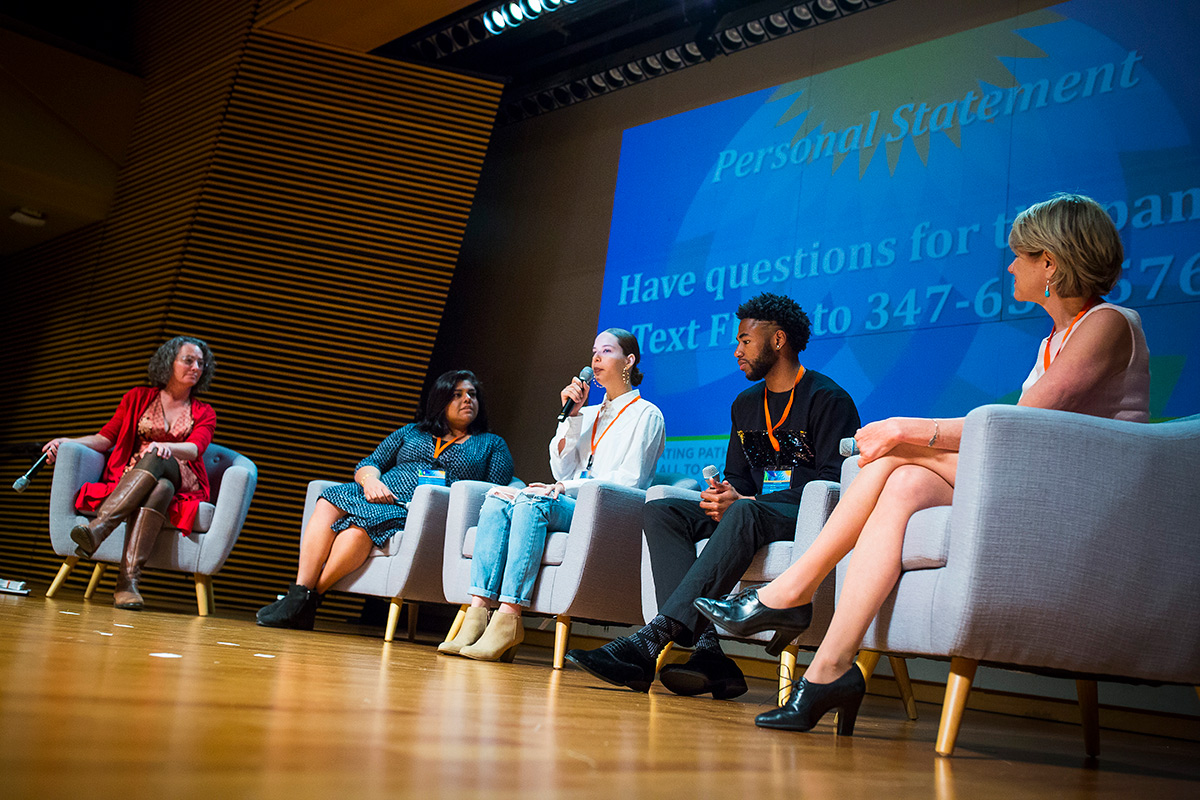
(20, 483)
(585, 375)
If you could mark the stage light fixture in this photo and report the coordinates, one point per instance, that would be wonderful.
(445, 44)
(580, 91)
(825, 9)
(800, 17)
(460, 35)
(754, 32)
(513, 15)
(614, 78)
(850, 6)
(776, 24)
(545, 101)
(730, 39)
(652, 65)
(633, 72)
(531, 9)
(671, 59)
(597, 84)
(562, 95)
(691, 53)
(494, 21)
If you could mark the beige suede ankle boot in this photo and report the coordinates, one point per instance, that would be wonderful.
(499, 642)
(473, 625)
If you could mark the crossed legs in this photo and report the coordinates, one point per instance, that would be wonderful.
(326, 555)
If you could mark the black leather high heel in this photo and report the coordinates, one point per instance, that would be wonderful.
(743, 614)
(811, 701)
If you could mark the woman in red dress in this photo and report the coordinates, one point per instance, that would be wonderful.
(154, 472)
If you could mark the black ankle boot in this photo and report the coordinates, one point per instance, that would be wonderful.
(810, 701)
(297, 609)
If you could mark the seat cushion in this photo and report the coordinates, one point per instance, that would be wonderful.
(768, 563)
(552, 556)
(926, 540)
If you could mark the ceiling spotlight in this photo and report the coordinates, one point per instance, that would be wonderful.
(532, 9)
(730, 39)
(671, 59)
(755, 32)
(494, 21)
(850, 6)
(597, 84)
(460, 35)
(633, 72)
(445, 44)
(476, 29)
(825, 9)
(545, 101)
(800, 16)
(562, 95)
(651, 65)
(579, 90)
(513, 15)
(614, 78)
(691, 53)
(776, 24)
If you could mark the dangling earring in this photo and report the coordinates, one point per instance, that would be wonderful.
(625, 375)
(1047, 287)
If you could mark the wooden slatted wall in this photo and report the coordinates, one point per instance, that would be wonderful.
(299, 207)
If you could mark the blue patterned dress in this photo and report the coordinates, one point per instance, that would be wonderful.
(483, 457)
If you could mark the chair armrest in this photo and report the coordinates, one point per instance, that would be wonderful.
(310, 501)
(600, 577)
(1086, 526)
(663, 491)
(229, 514)
(816, 504)
(74, 466)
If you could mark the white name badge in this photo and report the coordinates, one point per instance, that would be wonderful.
(431, 477)
(776, 480)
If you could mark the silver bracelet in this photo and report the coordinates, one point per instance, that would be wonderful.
(935, 434)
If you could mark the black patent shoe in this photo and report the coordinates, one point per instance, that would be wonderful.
(810, 701)
(742, 614)
(618, 663)
(706, 671)
(297, 609)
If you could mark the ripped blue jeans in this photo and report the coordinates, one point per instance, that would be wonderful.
(509, 541)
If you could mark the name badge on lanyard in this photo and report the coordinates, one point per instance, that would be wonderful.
(776, 480)
(431, 477)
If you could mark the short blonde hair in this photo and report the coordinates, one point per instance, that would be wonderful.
(1078, 232)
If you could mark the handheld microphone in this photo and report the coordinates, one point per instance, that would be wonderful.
(848, 447)
(585, 375)
(711, 473)
(20, 483)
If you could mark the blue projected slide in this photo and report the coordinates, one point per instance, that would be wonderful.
(879, 195)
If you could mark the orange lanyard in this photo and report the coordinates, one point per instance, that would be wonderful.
(1046, 358)
(439, 446)
(595, 441)
(787, 410)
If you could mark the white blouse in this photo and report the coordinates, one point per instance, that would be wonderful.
(628, 454)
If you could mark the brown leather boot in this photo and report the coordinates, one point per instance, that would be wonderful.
(138, 544)
(127, 496)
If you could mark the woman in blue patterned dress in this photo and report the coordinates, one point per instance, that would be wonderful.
(450, 443)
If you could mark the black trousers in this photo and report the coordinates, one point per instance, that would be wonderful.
(673, 526)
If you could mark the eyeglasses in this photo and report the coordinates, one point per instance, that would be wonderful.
(190, 361)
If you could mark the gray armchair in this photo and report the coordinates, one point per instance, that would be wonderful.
(589, 572)
(232, 479)
(408, 569)
(1070, 549)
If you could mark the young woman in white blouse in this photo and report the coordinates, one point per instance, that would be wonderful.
(620, 440)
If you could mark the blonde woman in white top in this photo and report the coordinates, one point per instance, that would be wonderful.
(619, 440)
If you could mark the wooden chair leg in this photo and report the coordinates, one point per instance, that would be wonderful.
(458, 621)
(412, 621)
(662, 657)
(900, 671)
(393, 619)
(69, 565)
(787, 671)
(1089, 711)
(204, 594)
(867, 660)
(562, 633)
(958, 688)
(97, 574)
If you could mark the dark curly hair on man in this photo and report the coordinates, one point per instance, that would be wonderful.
(781, 311)
(161, 363)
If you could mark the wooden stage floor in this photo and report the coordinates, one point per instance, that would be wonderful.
(87, 709)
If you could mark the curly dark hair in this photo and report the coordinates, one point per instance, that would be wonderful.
(433, 421)
(781, 311)
(629, 344)
(159, 368)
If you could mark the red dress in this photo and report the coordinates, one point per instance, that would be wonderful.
(122, 431)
